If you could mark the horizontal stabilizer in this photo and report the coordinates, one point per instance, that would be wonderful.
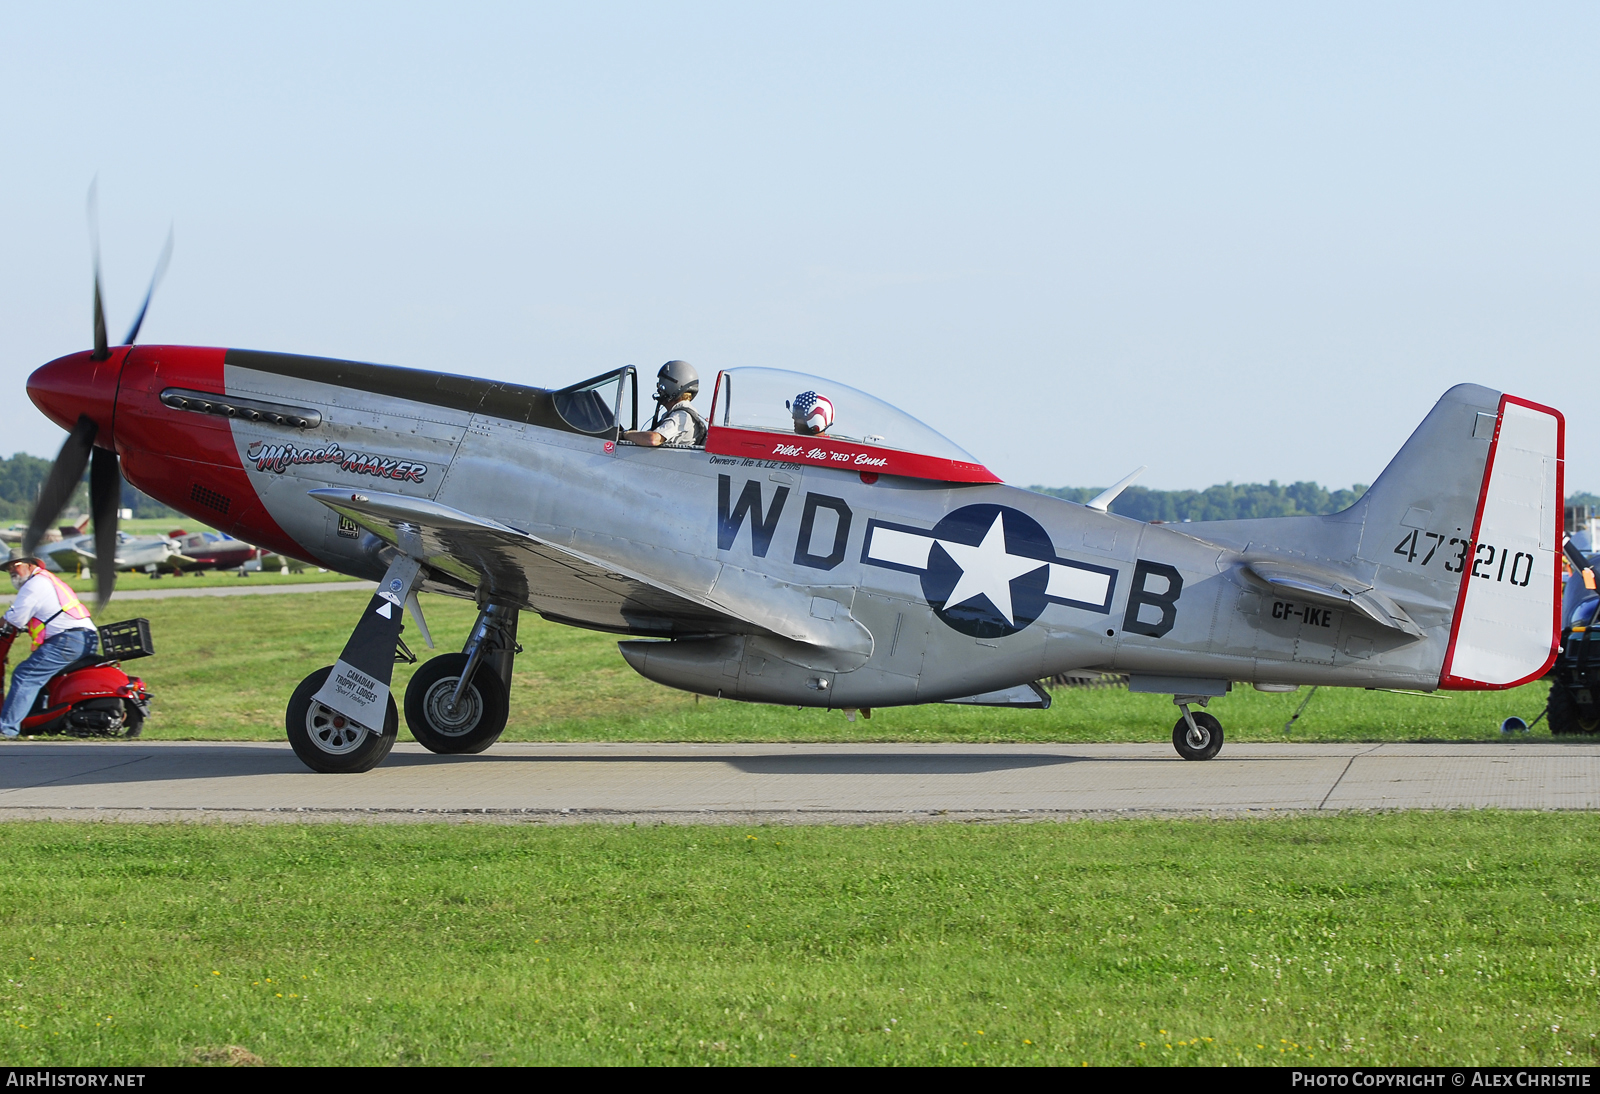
(1336, 590)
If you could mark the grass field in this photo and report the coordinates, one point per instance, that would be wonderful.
(225, 666)
(160, 526)
(207, 579)
(139, 526)
(1466, 938)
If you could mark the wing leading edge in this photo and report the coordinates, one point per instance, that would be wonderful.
(569, 586)
(516, 567)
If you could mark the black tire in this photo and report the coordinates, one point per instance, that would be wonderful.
(321, 738)
(132, 720)
(1210, 730)
(1566, 716)
(479, 718)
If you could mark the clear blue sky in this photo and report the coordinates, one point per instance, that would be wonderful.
(1227, 241)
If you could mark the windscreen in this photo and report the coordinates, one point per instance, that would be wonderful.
(764, 399)
(594, 406)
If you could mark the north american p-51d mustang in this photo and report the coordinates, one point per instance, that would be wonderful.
(856, 559)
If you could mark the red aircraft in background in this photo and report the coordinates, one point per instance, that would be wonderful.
(214, 550)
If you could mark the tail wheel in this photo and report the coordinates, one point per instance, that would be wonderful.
(477, 718)
(1200, 743)
(328, 742)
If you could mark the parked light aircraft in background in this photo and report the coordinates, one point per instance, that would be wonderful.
(18, 532)
(149, 554)
(215, 550)
(877, 564)
(69, 549)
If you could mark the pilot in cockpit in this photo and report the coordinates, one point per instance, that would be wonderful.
(813, 413)
(676, 423)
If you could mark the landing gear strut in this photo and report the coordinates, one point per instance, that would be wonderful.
(1196, 736)
(342, 719)
(457, 703)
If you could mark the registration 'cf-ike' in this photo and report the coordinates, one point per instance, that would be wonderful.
(870, 565)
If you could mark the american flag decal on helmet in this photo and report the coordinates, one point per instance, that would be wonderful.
(813, 411)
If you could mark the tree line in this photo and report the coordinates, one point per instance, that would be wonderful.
(1225, 501)
(1237, 501)
(22, 475)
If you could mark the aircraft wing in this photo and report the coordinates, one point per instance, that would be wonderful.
(68, 557)
(559, 583)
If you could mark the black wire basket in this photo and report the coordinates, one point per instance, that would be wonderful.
(126, 640)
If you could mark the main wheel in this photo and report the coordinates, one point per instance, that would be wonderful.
(479, 715)
(1202, 743)
(327, 741)
(1566, 716)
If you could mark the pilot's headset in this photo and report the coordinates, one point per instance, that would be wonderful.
(674, 379)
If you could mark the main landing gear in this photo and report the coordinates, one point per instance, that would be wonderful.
(330, 742)
(342, 719)
(1197, 736)
(457, 703)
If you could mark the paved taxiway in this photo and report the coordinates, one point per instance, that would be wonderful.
(680, 783)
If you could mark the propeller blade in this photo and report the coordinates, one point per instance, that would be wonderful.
(105, 498)
(101, 352)
(161, 270)
(63, 479)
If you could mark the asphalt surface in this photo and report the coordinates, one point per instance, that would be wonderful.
(244, 588)
(740, 784)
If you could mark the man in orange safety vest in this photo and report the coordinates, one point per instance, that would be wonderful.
(59, 626)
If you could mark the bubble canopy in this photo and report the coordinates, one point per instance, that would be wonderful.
(751, 417)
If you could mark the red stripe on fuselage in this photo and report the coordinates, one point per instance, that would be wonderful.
(185, 459)
(823, 451)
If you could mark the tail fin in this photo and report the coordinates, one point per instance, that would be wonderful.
(1478, 488)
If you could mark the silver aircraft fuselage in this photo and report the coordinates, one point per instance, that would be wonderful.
(763, 576)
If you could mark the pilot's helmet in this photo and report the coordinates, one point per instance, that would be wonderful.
(674, 380)
(813, 413)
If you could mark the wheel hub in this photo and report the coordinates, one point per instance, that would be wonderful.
(333, 732)
(457, 722)
(1198, 737)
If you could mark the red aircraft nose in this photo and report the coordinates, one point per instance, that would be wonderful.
(77, 384)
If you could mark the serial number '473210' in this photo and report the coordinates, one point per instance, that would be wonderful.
(1489, 562)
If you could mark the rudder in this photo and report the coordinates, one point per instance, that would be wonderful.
(1507, 625)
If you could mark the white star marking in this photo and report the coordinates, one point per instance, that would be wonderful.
(988, 570)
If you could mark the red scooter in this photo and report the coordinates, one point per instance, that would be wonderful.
(92, 696)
